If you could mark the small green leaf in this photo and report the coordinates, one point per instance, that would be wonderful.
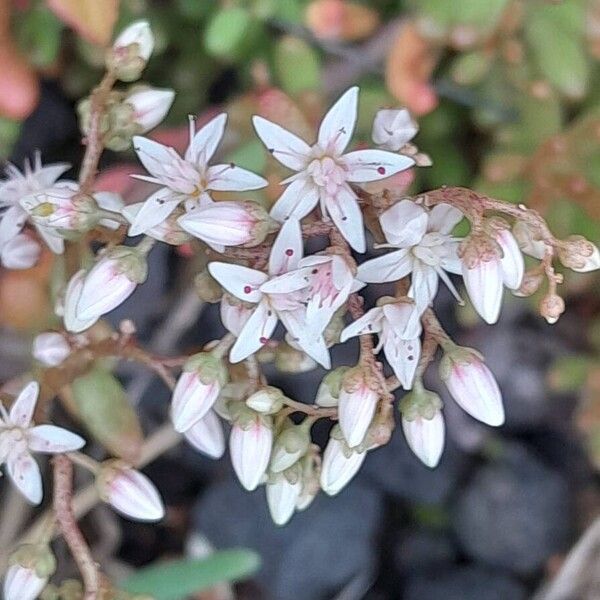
(179, 579)
(231, 34)
(297, 65)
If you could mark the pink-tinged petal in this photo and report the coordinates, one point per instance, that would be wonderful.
(22, 583)
(234, 315)
(22, 252)
(404, 224)
(371, 165)
(250, 450)
(400, 316)
(287, 283)
(513, 265)
(296, 201)
(207, 436)
(424, 285)
(403, 357)
(287, 148)
(233, 178)
(206, 140)
(24, 472)
(153, 155)
(13, 221)
(192, 399)
(370, 322)
(72, 322)
(150, 106)
(425, 437)
(347, 216)
(50, 439)
(255, 334)
(443, 218)
(338, 124)
(133, 495)
(484, 286)
(339, 466)
(308, 340)
(287, 249)
(155, 209)
(242, 282)
(356, 410)
(389, 267)
(23, 407)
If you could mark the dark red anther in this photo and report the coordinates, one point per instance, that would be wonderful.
(381, 170)
(247, 289)
(289, 252)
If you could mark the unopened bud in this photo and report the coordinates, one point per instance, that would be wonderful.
(283, 491)
(340, 464)
(130, 51)
(528, 241)
(50, 348)
(328, 393)
(530, 284)
(551, 307)
(290, 445)
(289, 359)
(150, 106)
(72, 295)
(30, 567)
(579, 254)
(267, 400)
(393, 128)
(206, 435)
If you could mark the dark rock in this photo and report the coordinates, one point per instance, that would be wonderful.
(464, 583)
(314, 555)
(423, 550)
(514, 513)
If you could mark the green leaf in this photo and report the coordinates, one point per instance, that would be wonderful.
(38, 34)
(231, 34)
(297, 65)
(179, 579)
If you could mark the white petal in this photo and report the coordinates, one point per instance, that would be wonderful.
(287, 148)
(51, 239)
(250, 450)
(13, 221)
(255, 333)
(400, 316)
(73, 293)
(356, 410)
(389, 267)
(296, 201)
(338, 469)
(133, 495)
(154, 211)
(242, 282)
(393, 128)
(281, 499)
(372, 165)
(287, 283)
(370, 322)
(50, 348)
(22, 583)
(21, 252)
(443, 218)
(150, 106)
(484, 286)
(287, 249)
(233, 178)
(347, 216)
(24, 472)
(191, 400)
(403, 357)
(309, 341)
(153, 155)
(23, 407)
(206, 140)
(424, 285)
(207, 436)
(48, 174)
(338, 124)
(425, 438)
(139, 33)
(513, 265)
(50, 439)
(404, 224)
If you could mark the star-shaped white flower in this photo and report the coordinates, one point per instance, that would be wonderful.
(187, 179)
(324, 172)
(276, 299)
(19, 184)
(424, 248)
(19, 437)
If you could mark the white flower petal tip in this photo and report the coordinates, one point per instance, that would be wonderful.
(250, 445)
(129, 492)
(130, 51)
(513, 265)
(22, 583)
(150, 106)
(425, 437)
(393, 128)
(357, 404)
(484, 283)
(340, 465)
(50, 348)
(282, 497)
(140, 33)
(72, 322)
(472, 385)
(206, 435)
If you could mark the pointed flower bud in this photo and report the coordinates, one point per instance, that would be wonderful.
(472, 385)
(551, 307)
(340, 463)
(267, 400)
(579, 254)
(129, 492)
(528, 241)
(111, 281)
(512, 263)
(393, 128)
(250, 446)
(206, 435)
(532, 280)
(167, 231)
(31, 565)
(150, 106)
(311, 471)
(483, 274)
(20, 252)
(357, 404)
(130, 51)
(290, 445)
(72, 294)
(328, 394)
(283, 491)
(197, 389)
(50, 348)
(423, 424)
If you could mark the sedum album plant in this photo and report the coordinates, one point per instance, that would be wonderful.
(259, 268)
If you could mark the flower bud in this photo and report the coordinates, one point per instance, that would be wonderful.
(129, 492)
(206, 435)
(472, 385)
(73, 293)
(340, 464)
(227, 223)
(283, 491)
(290, 445)
(50, 348)
(530, 284)
(130, 51)
(150, 106)
(290, 359)
(111, 281)
(31, 565)
(328, 393)
(166, 231)
(268, 400)
(529, 243)
(579, 254)
(250, 447)
(21, 252)
(513, 265)
(197, 389)
(393, 128)
(423, 424)
(357, 404)
(551, 307)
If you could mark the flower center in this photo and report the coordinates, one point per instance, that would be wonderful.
(327, 173)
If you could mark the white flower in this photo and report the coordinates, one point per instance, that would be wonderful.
(393, 128)
(129, 492)
(206, 435)
(150, 106)
(425, 249)
(22, 583)
(425, 437)
(340, 465)
(472, 385)
(272, 304)
(282, 497)
(19, 438)
(50, 348)
(71, 320)
(527, 240)
(20, 252)
(186, 180)
(324, 172)
(399, 328)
